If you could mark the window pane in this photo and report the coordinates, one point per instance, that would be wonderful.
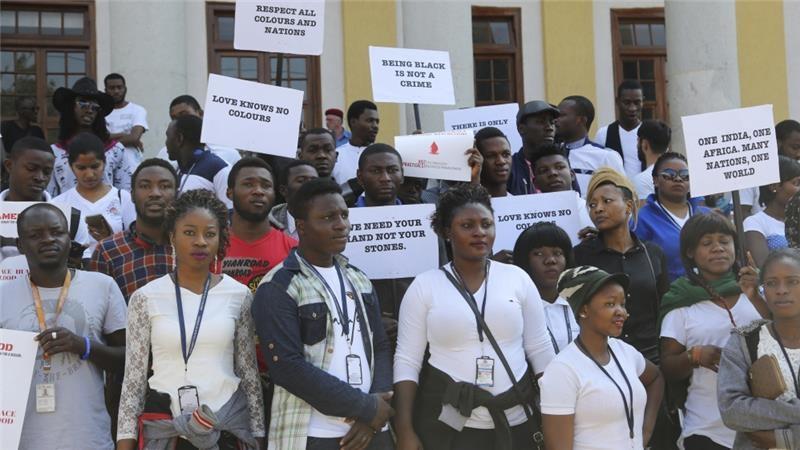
(26, 84)
(73, 24)
(7, 83)
(629, 70)
(481, 33)
(71, 79)
(28, 22)
(55, 62)
(642, 34)
(297, 68)
(649, 90)
(300, 85)
(76, 62)
(228, 66)
(54, 82)
(51, 23)
(26, 62)
(7, 106)
(648, 113)
(483, 69)
(248, 68)
(225, 28)
(502, 90)
(51, 110)
(501, 33)
(659, 37)
(7, 61)
(7, 19)
(500, 68)
(483, 91)
(626, 33)
(273, 68)
(646, 69)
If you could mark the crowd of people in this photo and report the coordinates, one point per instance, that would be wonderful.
(655, 331)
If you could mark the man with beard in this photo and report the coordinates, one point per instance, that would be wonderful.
(127, 121)
(80, 317)
(255, 246)
(318, 148)
(142, 253)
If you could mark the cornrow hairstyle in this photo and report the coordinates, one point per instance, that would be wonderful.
(542, 234)
(777, 255)
(199, 199)
(607, 175)
(454, 199)
(85, 144)
(692, 232)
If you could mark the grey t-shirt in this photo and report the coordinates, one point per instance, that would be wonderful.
(94, 307)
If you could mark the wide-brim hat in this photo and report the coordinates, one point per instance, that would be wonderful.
(579, 284)
(64, 98)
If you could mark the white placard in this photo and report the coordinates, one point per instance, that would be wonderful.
(392, 241)
(514, 214)
(17, 356)
(502, 117)
(280, 26)
(404, 75)
(731, 150)
(252, 116)
(438, 156)
(17, 266)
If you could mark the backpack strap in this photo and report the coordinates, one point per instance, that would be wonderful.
(74, 222)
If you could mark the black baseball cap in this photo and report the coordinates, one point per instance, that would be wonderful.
(536, 107)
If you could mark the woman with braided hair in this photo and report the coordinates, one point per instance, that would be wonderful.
(198, 321)
(697, 315)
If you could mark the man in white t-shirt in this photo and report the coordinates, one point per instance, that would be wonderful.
(654, 137)
(83, 336)
(363, 120)
(127, 122)
(620, 135)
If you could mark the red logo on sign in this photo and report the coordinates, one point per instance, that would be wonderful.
(434, 149)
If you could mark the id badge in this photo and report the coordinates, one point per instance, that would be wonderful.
(45, 398)
(484, 371)
(188, 400)
(354, 375)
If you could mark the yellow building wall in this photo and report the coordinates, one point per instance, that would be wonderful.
(366, 23)
(762, 55)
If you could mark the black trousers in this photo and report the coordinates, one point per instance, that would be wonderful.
(381, 441)
(477, 439)
(698, 442)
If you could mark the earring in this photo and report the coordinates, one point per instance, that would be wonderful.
(582, 316)
(215, 266)
(174, 258)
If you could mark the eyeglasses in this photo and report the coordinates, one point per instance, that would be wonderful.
(673, 175)
(85, 104)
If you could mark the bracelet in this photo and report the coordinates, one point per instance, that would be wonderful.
(85, 354)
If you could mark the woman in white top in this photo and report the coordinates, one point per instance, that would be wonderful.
(764, 231)
(599, 393)
(205, 388)
(92, 195)
(766, 422)
(544, 251)
(697, 315)
(464, 380)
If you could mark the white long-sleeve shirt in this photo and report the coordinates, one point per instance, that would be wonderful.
(434, 312)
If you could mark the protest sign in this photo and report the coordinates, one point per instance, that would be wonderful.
(392, 241)
(252, 116)
(731, 150)
(279, 26)
(514, 214)
(502, 117)
(404, 75)
(17, 266)
(17, 356)
(438, 156)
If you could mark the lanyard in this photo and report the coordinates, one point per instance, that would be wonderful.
(485, 290)
(341, 310)
(669, 215)
(628, 410)
(186, 175)
(62, 298)
(569, 328)
(788, 361)
(200, 309)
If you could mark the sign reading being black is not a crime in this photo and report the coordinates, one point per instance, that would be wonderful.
(404, 75)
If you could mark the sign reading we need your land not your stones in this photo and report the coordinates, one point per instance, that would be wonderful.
(731, 150)
(404, 75)
(280, 26)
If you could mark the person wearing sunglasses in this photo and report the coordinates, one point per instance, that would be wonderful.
(84, 109)
(667, 209)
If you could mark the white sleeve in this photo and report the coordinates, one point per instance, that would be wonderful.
(128, 210)
(752, 223)
(536, 341)
(140, 118)
(674, 326)
(600, 137)
(221, 186)
(631, 356)
(749, 196)
(412, 333)
(614, 161)
(559, 388)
